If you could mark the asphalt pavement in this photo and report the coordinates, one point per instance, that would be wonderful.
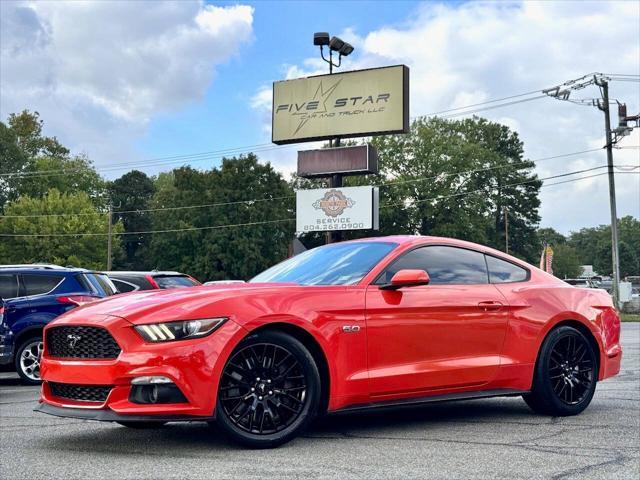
(491, 438)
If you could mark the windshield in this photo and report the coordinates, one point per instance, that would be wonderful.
(337, 264)
(175, 281)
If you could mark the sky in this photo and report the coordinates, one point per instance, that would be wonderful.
(161, 83)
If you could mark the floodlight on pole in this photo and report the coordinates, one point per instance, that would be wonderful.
(335, 44)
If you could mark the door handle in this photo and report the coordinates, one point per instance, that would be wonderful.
(490, 306)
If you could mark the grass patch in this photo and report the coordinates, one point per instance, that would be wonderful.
(630, 317)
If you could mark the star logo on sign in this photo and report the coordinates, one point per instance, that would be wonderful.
(322, 96)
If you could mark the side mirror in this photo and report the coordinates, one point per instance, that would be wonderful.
(407, 278)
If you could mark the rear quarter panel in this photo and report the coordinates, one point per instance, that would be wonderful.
(539, 307)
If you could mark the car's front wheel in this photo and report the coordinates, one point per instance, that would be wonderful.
(27, 360)
(269, 390)
(565, 374)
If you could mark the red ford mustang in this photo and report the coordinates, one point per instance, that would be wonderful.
(369, 323)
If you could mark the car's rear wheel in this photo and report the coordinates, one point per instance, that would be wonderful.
(269, 390)
(565, 374)
(27, 360)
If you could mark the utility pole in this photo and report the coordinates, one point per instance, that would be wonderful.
(563, 92)
(506, 230)
(110, 226)
(604, 106)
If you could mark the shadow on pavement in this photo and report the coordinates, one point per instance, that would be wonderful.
(191, 439)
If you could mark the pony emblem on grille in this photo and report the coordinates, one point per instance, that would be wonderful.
(73, 340)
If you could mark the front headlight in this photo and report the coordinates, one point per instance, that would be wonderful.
(187, 329)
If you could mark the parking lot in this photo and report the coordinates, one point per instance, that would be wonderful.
(492, 438)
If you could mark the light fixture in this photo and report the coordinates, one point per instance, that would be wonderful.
(321, 38)
(346, 49)
(336, 44)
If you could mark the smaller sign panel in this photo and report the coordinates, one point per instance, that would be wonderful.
(342, 208)
(356, 160)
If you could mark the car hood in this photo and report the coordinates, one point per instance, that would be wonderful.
(151, 306)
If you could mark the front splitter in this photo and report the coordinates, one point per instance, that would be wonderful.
(106, 415)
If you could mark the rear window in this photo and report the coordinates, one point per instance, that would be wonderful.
(39, 284)
(505, 272)
(8, 286)
(97, 283)
(124, 287)
(175, 281)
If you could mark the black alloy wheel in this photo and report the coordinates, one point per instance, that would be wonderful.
(565, 375)
(269, 390)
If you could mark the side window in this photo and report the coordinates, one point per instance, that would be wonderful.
(39, 284)
(445, 265)
(123, 287)
(8, 286)
(501, 271)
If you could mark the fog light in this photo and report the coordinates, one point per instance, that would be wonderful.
(150, 380)
(145, 390)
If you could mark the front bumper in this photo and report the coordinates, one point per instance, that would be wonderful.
(194, 366)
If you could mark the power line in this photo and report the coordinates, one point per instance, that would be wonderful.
(264, 147)
(483, 190)
(257, 148)
(441, 197)
(252, 201)
(144, 232)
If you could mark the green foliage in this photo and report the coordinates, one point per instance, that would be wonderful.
(551, 237)
(12, 159)
(133, 191)
(566, 263)
(424, 194)
(38, 161)
(80, 176)
(83, 251)
(28, 129)
(594, 246)
(222, 253)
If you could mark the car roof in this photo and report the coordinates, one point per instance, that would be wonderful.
(41, 269)
(152, 273)
(431, 240)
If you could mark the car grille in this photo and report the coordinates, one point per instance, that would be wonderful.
(81, 342)
(81, 393)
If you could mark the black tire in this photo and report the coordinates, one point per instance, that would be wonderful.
(27, 360)
(142, 425)
(565, 374)
(269, 390)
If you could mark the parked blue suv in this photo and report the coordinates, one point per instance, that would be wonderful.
(30, 297)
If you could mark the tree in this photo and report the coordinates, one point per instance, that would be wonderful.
(31, 164)
(566, 263)
(131, 192)
(594, 246)
(453, 178)
(67, 213)
(65, 174)
(12, 159)
(237, 252)
(28, 129)
(551, 237)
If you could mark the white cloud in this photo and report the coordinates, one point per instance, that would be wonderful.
(100, 70)
(468, 53)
